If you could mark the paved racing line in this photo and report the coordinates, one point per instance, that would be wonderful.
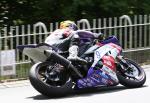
(27, 83)
(14, 84)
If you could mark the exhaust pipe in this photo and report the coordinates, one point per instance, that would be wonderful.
(63, 61)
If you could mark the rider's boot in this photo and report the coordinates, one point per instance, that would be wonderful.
(73, 54)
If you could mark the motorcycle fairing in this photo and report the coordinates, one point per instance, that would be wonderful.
(95, 79)
(36, 51)
(111, 39)
(105, 75)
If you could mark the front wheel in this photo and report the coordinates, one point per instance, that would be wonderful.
(132, 76)
(42, 79)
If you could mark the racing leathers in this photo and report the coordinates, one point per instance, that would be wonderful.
(67, 39)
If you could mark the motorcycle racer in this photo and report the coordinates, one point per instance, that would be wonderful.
(68, 34)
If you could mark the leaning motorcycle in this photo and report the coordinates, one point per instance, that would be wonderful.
(54, 75)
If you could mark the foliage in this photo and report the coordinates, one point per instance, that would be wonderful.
(15, 12)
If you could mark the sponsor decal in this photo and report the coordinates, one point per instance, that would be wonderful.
(115, 46)
(105, 81)
(86, 82)
(94, 79)
(103, 74)
(111, 73)
(109, 62)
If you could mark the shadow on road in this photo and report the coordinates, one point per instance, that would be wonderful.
(84, 92)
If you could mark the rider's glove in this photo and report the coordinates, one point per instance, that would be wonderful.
(99, 36)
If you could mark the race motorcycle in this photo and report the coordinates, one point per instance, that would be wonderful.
(54, 75)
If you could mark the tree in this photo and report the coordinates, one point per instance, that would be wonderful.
(31, 11)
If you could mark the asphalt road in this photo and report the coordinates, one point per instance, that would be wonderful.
(118, 94)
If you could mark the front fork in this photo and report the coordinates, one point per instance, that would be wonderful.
(126, 66)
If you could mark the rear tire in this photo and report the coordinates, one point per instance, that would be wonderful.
(46, 88)
(138, 81)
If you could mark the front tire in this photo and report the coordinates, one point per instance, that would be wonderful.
(132, 81)
(39, 82)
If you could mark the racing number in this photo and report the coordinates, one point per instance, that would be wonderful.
(98, 54)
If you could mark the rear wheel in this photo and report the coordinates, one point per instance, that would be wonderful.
(50, 80)
(132, 76)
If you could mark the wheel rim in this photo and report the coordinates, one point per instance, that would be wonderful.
(132, 72)
(44, 74)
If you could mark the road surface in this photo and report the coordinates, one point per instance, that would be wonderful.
(24, 93)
